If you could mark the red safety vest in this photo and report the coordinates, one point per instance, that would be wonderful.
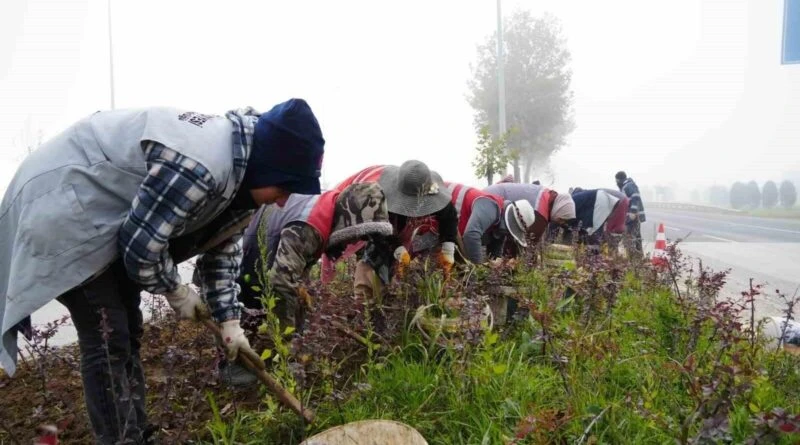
(414, 226)
(314, 210)
(463, 197)
(368, 175)
(321, 215)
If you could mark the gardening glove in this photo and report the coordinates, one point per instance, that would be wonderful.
(236, 344)
(305, 298)
(447, 257)
(187, 303)
(403, 259)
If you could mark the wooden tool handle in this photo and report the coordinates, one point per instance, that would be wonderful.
(279, 391)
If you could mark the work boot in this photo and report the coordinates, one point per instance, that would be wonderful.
(236, 375)
(149, 437)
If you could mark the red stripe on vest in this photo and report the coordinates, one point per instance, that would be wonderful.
(321, 215)
(417, 227)
(546, 203)
(463, 197)
(368, 175)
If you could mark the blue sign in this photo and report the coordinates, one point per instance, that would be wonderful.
(791, 32)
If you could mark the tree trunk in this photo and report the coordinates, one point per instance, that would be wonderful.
(516, 170)
(490, 176)
(528, 168)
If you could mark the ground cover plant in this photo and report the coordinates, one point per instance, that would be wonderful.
(596, 349)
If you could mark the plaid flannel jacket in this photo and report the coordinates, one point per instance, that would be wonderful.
(176, 189)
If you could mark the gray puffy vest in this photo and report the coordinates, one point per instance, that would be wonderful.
(62, 211)
(515, 192)
(272, 219)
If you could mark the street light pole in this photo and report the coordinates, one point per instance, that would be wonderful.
(501, 78)
(501, 84)
(110, 56)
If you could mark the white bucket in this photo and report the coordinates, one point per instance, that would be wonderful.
(384, 432)
(773, 326)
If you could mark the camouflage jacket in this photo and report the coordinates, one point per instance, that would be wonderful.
(288, 258)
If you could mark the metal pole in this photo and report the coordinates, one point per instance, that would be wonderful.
(110, 56)
(501, 77)
(501, 84)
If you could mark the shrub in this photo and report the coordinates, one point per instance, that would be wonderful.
(738, 195)
(753, 195)
(769, 197)
(788, 194)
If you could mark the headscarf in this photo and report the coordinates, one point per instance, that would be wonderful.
(563, 208)
(507, 178)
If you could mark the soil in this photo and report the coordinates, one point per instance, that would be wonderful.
(180, 363)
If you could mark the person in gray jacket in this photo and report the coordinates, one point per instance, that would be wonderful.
(636, 215)
(132, 193)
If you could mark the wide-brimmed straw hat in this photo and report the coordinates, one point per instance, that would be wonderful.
(412, 191)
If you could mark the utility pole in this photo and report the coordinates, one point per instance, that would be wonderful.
(110, 56)
(501, 76)
(501, 83)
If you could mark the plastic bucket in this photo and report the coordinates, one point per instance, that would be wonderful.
(383, 432)
(772, 328)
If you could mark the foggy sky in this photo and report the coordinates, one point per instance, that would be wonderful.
(689, 91)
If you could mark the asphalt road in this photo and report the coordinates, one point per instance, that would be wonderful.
(764, 249)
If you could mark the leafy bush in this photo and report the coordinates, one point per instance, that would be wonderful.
(719, 196)
(738, 195)
(788, 194)
(769, 197)
(753, 195)
(598, 350)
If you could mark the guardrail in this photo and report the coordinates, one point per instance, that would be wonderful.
(691, 207)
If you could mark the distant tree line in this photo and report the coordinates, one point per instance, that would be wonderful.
(749, 196)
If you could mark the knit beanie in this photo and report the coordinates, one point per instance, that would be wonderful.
(287, 150)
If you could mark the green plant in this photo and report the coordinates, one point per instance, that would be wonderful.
(493, 154)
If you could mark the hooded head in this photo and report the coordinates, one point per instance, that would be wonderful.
(506, 179)
(620, 177)
(563, 209)
(287, 150)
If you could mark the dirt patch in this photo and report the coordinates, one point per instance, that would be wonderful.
(180, 363)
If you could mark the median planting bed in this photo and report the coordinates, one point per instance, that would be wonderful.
(584, 349)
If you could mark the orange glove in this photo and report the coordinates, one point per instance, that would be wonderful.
(305, 298)
(403, 259)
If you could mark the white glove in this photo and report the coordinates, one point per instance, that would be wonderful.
(401, 255)
(403, 260)
(235, 342)
(187, 303)
(449, 252)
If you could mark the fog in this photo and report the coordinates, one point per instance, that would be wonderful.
(689, 92)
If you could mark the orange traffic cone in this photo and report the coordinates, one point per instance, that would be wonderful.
(659, 257)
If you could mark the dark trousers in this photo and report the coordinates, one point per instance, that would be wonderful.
(106, 314)
(633, 231)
